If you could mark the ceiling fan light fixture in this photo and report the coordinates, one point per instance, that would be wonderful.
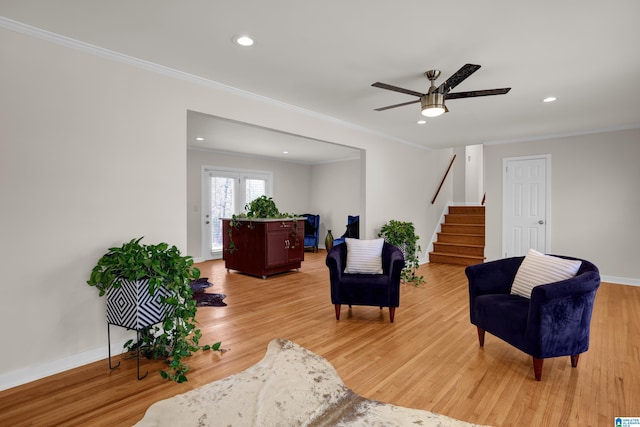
(433, 105)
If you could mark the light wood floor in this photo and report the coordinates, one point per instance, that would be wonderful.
(428, 359)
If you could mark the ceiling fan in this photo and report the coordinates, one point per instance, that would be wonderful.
(433, 101)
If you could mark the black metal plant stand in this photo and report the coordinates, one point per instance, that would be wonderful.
(132, 307)
(111, 367)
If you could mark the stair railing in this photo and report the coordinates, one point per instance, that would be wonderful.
(443, 179)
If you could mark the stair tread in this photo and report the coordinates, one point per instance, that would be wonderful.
(457, 255)
(459, 244)
(459, 234)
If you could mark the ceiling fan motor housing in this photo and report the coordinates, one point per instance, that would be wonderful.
(433, 104)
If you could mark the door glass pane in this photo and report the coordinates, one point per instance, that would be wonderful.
(222, 197)
(254, 188)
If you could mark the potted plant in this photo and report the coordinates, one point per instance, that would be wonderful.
(403, 235)
(159, 278)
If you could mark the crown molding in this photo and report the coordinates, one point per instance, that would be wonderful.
(564, 134)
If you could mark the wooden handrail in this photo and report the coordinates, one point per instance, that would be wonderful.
(484, 199)
(443, 178)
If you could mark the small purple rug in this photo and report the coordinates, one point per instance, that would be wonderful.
(204, 299)
(200, 285)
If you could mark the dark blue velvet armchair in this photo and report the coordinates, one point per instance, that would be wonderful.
(554, 322)
(353, 229)
(379, 290)
(311, 231)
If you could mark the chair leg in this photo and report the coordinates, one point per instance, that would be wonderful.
(337, 306)
(574, 360)
(480, 336)
(537, 368)
(392, 313)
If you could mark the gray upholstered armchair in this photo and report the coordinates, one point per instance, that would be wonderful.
(380, 290)
(554, 321)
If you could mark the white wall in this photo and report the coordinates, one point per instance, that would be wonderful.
(594, 198)
(335, 194)
(93, 153)
(473, 174)
(458, 176)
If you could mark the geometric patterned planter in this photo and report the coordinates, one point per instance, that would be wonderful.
(131, 306)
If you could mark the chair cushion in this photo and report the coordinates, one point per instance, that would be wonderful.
(539, 269)
(504, 316)
(364, 256)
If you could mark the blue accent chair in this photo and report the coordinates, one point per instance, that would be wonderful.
(353, 229)
(554, 322)
(311, 231)
(378, 290)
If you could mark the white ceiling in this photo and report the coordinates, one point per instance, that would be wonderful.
(324, 56)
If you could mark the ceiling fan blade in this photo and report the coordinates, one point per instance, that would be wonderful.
(475, 93)
(458, 77)
(397, 105)
(397, 89)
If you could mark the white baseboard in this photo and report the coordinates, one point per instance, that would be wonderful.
(26, 375)
(620, 280)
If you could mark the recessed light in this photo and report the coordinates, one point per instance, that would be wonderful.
(421, 122)
(549, 99)
(243, 40)
(199, 139)
(285, 152)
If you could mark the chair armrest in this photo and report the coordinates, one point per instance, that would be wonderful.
(577, 286)
(494, 277)
(393, 262)
(335, 262)
(559, 316)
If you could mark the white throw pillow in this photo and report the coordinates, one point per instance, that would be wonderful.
(364, 256)
(539, 269)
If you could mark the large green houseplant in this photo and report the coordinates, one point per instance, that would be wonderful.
(403, 235)
(162, 267)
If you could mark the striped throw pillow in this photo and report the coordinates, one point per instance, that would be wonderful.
(364, 256)
(539, 269)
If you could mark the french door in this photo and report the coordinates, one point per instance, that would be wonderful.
(226, 192)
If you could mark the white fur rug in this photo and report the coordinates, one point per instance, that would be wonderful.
(290, 386)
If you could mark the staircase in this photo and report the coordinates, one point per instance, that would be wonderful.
(461, 239)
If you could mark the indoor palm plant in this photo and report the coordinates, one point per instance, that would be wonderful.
(167, 275)
(403, 235)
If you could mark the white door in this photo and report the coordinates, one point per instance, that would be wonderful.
(226, 192)
(525, 205)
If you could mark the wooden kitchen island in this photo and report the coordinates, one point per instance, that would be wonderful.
(263, 246)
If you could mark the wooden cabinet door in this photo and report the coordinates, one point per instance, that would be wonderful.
(277, 247)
